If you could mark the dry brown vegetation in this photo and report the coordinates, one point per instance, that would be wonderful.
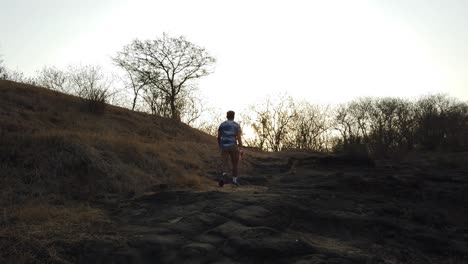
(50, 141)
(29, 233)
(54, 150)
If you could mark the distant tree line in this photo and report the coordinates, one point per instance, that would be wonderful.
(383, 127)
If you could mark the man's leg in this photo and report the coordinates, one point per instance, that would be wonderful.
(225, 166)
(225, 160)
(234, 152)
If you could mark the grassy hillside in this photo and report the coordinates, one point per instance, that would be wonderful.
(51, 144)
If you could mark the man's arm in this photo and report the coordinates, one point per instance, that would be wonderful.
(239, 138)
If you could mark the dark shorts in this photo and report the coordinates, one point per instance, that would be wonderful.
(232, 151)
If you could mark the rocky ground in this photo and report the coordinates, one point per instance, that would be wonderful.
(296, 209)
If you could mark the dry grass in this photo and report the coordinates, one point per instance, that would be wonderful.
(56, 158)
(29, 232)
(51, 143)
(43, 221)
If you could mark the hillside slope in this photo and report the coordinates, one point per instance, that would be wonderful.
(51, 143)
(80, 187)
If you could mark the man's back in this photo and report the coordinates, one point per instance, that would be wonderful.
(228, 131)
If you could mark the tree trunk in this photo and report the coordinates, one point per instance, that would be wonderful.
(134, 102)
(174, 111)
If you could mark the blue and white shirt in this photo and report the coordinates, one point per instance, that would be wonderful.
(228, 131)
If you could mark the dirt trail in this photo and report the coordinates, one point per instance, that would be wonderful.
(298, 210)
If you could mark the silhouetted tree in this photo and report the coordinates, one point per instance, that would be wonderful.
(271, 122)
(383, 125)
(193, 107)
(18, 76)
(168, 66)
(54, 79)
(442, 123)
(132, 81)
(392, 126)
(309, 127)
(352, 122)
(346, 125)
(157, 101)
(3, 74)
(90, 83)
(14, 75)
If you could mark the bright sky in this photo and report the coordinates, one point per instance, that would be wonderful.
(322, 51)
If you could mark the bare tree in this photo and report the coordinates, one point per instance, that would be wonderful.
(12, 75)
(132, 81)
(209, 122)
(346, 125)
(258, 120)
(381, 125)
(193, 107)
(18, 76)
(442, 122)
(309, 128)
(54, 79)
(353, 120)
(168, 64)
(90, 83)
(271, 122)
(391, 126)
(405, 125)
(157, 101)
(3, 73)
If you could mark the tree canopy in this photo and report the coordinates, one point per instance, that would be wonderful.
(167, 67)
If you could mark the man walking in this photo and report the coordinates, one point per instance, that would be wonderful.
(230, 144)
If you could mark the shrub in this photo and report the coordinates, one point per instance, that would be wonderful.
(90, 83)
